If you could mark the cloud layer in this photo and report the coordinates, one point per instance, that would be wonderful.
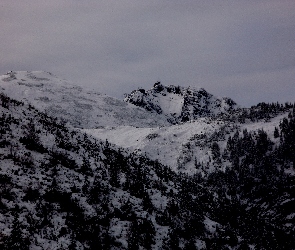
(242, 49)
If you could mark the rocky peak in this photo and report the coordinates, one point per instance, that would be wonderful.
(180, 104)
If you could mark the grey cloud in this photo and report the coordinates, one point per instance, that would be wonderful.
(228, 47)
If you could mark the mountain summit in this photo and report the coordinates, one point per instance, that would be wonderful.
(180, 104)
(80, 107)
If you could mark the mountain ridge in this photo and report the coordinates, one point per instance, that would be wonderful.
(155, 126)
(82, 108)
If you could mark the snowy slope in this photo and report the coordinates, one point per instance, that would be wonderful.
(180, 104)
(167, 144)
(56, 158)
(82, 108)
(182, 146)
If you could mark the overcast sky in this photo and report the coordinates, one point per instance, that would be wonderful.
(243, 49)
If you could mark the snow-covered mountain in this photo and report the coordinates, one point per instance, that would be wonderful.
(174, 125)
(130, 124)
(232, 184)
(198, 120)
(82, 108)
(180, 104)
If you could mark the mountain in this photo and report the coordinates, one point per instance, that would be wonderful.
(180, 104)
(221, 181)
(148, 122)
(82, 108)
(124, 122)
(198, 119)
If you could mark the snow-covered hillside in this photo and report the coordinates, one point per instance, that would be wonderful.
(182, 147)
(61, 188)
(173, 145)
(82, 108)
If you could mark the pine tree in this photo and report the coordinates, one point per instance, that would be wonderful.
(276, 133)
(147, 202)
(215, 151)
(148, 232)
(16, 240)
(86, 166)
(190, 245)
(133, 239)
(171, 241)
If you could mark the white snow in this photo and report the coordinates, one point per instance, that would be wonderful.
(174, 144)
(210, 225)
(170, 103)
(82, 108)
(164, 143)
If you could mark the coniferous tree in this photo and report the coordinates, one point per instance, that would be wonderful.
(190, 245)
(16, 240)
(147, 202)
(133, 238)
(86, 166)
(215, 151)
(147, 230)
(171, 241)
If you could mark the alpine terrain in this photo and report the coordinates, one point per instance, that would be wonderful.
(171, 167)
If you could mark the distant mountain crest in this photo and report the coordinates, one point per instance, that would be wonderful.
(82, 108)
(180, 104)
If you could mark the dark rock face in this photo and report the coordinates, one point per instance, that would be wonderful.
(192, 103)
